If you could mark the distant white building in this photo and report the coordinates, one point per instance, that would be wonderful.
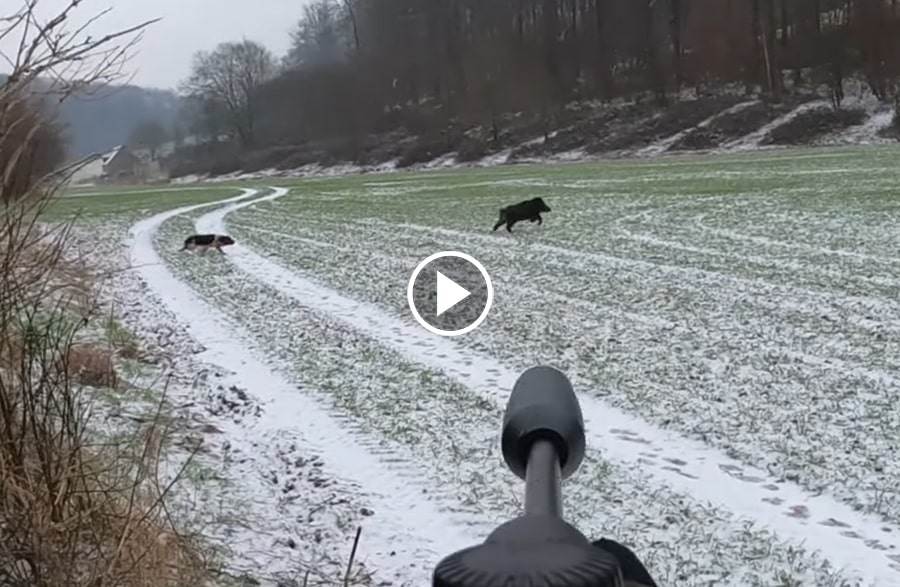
(119, 165)
(123, 165)
(89, 173)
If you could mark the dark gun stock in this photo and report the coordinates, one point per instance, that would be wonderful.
(543, 443)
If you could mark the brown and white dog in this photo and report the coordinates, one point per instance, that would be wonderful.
(204, 242)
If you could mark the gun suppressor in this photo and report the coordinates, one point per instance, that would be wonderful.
(543, 443)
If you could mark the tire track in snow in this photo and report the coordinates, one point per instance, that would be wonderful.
(847, 538)
(418, 530)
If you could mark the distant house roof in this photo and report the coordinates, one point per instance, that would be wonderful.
(109, 156)
(99, 166)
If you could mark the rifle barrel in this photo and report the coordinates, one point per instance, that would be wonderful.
(543, 493)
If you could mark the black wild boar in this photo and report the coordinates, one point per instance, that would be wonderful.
(527, 210)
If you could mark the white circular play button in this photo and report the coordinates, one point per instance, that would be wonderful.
(450, 293)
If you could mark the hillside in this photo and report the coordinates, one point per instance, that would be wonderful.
(725, 121)
(102, 118)
(100, 121)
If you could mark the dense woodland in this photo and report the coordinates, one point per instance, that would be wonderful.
(376, 71)
(356, 60)
(364, 72)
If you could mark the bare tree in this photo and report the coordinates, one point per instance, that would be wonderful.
(52, 60)
(110, 503)
(427, 65)
(604, 61)
(230, 78)
(770, 49)
(150, 135)
(650, 52)
(785, 23)
(321, 36)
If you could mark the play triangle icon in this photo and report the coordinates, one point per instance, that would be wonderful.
(449, 293)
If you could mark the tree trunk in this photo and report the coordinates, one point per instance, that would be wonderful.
(675, 26)
(551, 30)
(520, 28)
(768, 62)
(575, 49)
(817, 7)
(772, 62)
(785, 23)
(756, 28)
(435, 65)
(837, 83)
(604, 73)
(651, 58)
(352, 13)
(817, 39)
(460, 85)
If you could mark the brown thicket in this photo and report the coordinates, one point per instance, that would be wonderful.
(73, 511)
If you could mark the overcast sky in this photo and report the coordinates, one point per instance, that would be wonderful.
(188, 26)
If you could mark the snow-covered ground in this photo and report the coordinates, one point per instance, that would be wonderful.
(414, 529)
(732, 330)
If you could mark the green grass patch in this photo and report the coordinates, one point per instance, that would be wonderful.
(101, 207)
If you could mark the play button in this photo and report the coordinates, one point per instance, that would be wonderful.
(450, 293)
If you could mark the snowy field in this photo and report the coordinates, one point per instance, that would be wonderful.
(732, 326)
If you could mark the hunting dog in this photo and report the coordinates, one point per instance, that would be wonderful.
(204, 242)
(527, 210)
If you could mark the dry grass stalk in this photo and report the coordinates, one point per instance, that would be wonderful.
(72, 512)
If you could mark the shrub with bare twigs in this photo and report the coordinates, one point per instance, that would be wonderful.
(72, 511)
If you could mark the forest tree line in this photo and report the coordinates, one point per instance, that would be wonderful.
(357, 67)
